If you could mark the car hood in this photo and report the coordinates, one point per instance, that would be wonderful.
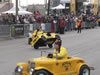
(53, 60)
(43, 59)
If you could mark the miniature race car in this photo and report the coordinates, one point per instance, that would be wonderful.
(39, 39)
(53, 66)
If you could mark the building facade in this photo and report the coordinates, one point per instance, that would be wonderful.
(5, 5)
(54, 3)
(3, 1)
(33, 8)
(91, 1)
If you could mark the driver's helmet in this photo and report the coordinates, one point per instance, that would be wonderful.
(58, 42)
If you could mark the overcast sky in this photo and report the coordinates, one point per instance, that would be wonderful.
(26, 2)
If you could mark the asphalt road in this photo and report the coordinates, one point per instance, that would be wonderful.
(85, 45)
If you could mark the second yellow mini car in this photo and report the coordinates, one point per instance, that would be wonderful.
(40, 39)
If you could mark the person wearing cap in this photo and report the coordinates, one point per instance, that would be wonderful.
(59, 50)
(37, 31)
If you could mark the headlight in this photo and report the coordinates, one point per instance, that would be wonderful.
(32, 66)
(31, 71)
(19, 69)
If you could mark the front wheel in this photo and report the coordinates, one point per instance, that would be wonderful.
(36, 46)
(84, 70)
(40, 72)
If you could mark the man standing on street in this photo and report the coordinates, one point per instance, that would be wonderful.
(79, 25)
(62, 26)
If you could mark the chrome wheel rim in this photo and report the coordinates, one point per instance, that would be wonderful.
(85, 72)
(41, 74)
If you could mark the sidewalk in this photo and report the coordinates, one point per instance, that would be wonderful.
(5, 37)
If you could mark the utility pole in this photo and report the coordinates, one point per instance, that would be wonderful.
(19, 3)
(65, 8)
(48, 6)
(45, 3)
(9, 4)
(17, 11)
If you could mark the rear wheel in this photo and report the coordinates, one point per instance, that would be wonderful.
(84, 70)
(50, 45)
(41, 72)
(36, 46)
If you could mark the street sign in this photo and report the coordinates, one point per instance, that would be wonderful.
(19, 30)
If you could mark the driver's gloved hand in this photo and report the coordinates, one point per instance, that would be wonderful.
(50, 55)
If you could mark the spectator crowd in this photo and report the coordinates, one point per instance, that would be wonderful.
(59, 22)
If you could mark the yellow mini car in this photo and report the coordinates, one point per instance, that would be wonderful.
(53, 66)
(39, 39)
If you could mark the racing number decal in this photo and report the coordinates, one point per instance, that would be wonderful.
(66, 65)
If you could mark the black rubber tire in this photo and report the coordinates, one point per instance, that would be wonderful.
(83, 68)
(36, 46)
(41, 72)
(50, 45)
(29, 41)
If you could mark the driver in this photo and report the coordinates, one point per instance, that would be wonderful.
(59, 50)
(37, 31)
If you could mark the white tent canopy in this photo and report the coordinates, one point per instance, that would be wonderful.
(86, 3)
(20, 12)
(65, 1)
(60, 6)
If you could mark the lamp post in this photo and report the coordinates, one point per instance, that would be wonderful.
(48, 6)
(45, 1)
(17, 11)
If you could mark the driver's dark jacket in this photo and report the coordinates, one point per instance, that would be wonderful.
(63, 53)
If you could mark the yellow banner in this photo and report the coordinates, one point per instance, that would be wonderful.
(73, 6)
(96, 2)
